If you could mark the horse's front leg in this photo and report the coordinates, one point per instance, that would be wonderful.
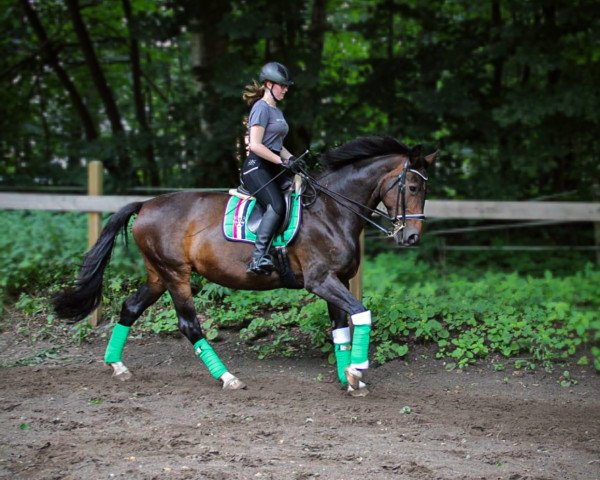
(342, 341)
(342, 302)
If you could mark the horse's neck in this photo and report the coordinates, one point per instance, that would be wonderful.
(358, 182)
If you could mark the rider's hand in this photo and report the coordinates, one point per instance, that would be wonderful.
(294, 164)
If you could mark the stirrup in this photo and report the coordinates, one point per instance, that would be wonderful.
(261, 266)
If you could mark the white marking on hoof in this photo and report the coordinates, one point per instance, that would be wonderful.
(362, 390)
(120, 371)
(353, 376)
(233, 384)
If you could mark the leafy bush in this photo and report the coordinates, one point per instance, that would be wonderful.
(548, 318)
(43, 251)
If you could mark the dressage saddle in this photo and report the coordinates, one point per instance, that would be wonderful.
(294, 185)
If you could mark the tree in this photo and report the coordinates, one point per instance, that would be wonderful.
(507, 90)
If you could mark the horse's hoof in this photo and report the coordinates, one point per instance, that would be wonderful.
(361, 391)
(234, 384)
(353, 377)
(120, 371)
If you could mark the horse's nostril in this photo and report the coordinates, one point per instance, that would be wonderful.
(413, 239)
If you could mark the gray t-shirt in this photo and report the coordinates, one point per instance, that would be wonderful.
(271, 118)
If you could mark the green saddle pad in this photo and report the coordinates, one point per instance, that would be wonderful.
(238, 211)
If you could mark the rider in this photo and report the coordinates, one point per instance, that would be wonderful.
(264, 167)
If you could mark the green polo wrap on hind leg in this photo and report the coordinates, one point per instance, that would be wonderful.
(360, 340)
(342, 349)
(212, 361)
(114, 349)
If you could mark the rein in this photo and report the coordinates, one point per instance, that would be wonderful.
(400, 201)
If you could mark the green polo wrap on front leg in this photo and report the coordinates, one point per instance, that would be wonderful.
(360, 340)
(342, 358)
(342, 349)
(212, 361)
(118, 338)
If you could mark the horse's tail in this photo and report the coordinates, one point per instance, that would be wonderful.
(75, 304)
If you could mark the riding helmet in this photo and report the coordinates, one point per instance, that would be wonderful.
(275, 72)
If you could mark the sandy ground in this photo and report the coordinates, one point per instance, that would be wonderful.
(66, 418)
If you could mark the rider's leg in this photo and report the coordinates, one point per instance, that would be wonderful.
(267, 192)
(261, 262)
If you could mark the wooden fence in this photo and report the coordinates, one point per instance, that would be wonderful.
(447, 209)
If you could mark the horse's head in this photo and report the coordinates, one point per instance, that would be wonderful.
(403, 193)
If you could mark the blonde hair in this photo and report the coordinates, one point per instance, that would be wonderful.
(253, 92)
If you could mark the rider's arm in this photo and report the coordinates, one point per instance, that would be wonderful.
(285, 154)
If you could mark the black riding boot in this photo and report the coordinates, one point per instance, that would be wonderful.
(262, 263)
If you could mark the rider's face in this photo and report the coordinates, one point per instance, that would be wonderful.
(279, 90)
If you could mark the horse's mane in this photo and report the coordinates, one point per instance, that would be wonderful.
(361, 148)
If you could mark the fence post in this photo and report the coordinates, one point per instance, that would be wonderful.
(356, 282)
(95, 187)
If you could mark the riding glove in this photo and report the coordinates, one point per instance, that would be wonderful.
(294, 164)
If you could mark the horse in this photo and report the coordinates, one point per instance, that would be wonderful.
(180, 233)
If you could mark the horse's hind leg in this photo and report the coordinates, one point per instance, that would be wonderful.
(131, 310)
(190, 326)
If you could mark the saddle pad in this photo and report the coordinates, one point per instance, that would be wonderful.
(237, 213)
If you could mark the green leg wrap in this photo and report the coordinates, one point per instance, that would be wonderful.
(114, 349)
(360, 340)
(342, 349)
(342, 357)
(212, 361)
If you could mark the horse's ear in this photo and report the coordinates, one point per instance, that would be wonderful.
(429, 159)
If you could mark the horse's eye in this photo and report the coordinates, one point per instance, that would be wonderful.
(413, 189)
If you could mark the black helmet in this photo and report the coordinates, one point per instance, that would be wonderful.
(275, 72)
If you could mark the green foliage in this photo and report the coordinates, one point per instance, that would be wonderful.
(548, 318)
(43, 251)
(37, 248)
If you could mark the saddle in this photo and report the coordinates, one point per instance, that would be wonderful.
(291, 189)
(243, 215)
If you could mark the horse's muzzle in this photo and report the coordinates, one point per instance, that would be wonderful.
(408, 236)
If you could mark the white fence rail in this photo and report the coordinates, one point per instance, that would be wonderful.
(471, 209)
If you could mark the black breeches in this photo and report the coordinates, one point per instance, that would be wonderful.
(259, 182)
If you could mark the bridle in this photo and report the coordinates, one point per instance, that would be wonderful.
(398, 220)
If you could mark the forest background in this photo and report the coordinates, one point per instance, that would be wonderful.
(507, 91)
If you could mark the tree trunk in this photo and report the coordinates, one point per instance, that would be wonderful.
(138, 95)
(105, 92)
(497, 62)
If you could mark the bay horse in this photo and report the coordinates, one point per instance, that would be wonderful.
(179, 233)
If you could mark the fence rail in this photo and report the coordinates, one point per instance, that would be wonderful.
(448, 209)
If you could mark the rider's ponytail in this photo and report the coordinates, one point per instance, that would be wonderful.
(253, 92)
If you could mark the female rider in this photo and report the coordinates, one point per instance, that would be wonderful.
(264, 167)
